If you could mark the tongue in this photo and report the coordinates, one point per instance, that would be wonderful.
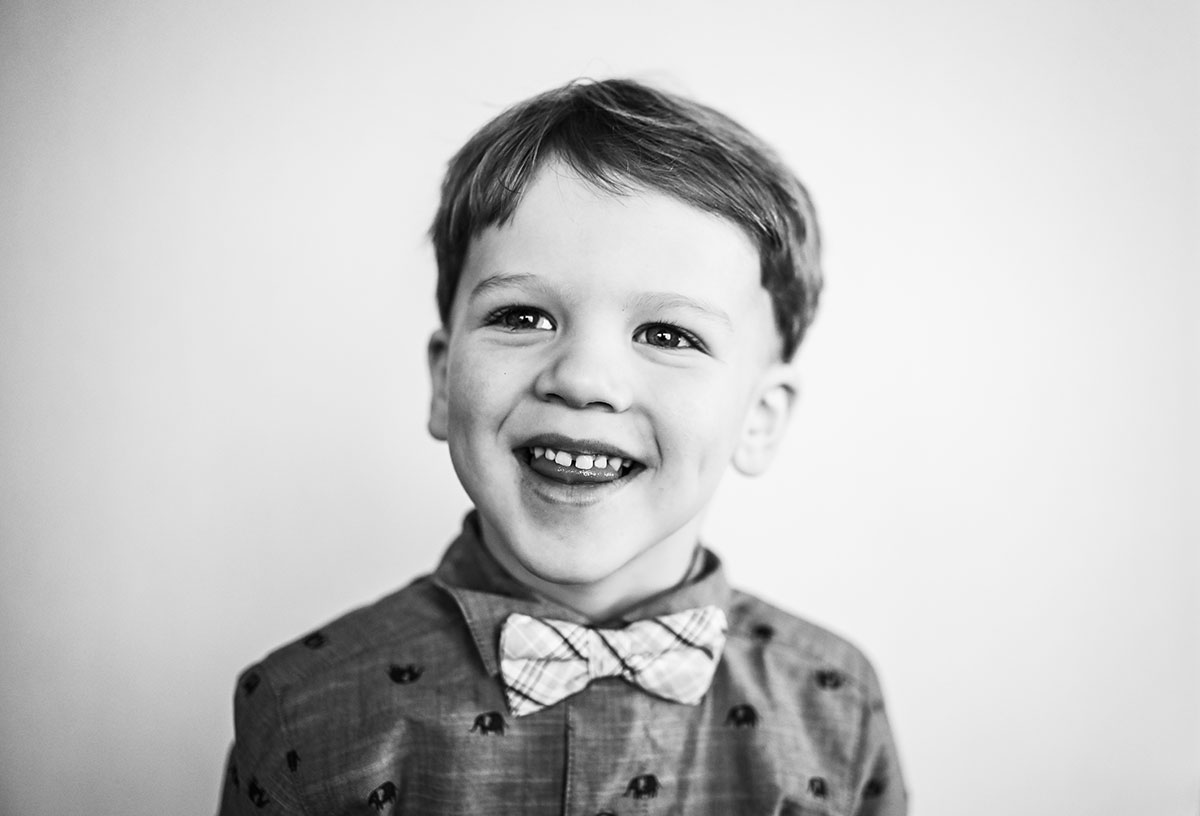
(572, 475)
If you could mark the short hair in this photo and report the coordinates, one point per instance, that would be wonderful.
(622, 136)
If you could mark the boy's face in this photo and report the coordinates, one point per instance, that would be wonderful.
(628, 331)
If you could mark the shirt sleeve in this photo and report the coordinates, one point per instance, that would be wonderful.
(881, 787)
(258, 775)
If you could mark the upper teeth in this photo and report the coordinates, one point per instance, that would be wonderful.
(581, 461)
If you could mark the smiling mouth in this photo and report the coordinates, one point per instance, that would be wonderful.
(577, 468)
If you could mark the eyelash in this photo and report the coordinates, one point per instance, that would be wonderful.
(501, 318)
(692, 340)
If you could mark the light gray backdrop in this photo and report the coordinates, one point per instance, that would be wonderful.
(215, 293)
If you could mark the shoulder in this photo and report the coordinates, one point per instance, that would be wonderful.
(409, 618)
(805, 649)
(340, 678)
(826, 712)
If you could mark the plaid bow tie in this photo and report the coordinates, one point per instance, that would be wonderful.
(544, 661)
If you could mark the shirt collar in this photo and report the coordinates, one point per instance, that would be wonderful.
(487, 594)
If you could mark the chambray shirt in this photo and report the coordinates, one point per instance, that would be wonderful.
(398, 707)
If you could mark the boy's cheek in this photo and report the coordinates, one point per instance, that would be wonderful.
(470, 394)
(480, 376)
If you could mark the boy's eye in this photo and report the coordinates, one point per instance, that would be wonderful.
(520, 318)
(664, 336)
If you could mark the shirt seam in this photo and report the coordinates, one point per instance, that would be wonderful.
(285, 730)
(859, 770)
(569, 761)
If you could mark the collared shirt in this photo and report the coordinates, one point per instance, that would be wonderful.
(398, 707)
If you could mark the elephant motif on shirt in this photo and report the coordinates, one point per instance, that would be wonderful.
(382, 796)
(489, 723)
(645, 786)
(829, 679)
(405, 674)
(250, 683)
(742, 716)
(257, 795)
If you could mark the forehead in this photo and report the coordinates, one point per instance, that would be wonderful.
(567, 231)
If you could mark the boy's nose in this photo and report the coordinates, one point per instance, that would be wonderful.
(583, 373)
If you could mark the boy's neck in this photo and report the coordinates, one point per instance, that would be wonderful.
(652, 573)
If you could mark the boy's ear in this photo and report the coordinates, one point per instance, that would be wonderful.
(439, 351)
(766, 421)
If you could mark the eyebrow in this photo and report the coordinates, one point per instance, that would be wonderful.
(501, 280)
(664, 301)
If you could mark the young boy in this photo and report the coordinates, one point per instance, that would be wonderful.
(624, 277)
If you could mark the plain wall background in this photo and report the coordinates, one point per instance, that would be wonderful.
(215, 293)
